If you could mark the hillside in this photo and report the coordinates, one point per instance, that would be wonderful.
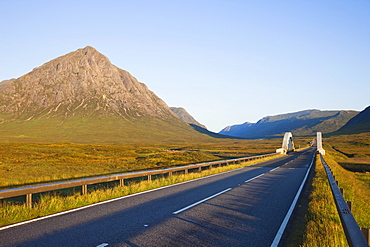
(186, 117)
(82, 97)
(358, 124)
(302, 123)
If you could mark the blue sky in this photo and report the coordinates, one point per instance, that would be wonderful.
(225, 62)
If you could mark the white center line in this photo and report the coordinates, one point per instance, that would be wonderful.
(199, 202)
(274, 169)
(102, 245)
(254, 178)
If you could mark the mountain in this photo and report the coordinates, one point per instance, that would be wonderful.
(237, 129)
(82, 97)
(186, 117)
(358, 124)
(302, 123)
(81, 83)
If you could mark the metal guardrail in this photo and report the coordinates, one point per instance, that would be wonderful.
(353, 233)
(29, 190)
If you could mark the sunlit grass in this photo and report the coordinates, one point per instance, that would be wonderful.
(356, 189)
(356, 185)
(25, 163)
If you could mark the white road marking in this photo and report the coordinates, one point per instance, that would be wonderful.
(274, 169)
(283, 225)
(102, 245)
(254, 178)
(199, 202)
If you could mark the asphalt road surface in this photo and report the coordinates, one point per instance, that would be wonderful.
(244, 207)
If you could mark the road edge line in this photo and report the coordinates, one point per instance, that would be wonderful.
(283, 225)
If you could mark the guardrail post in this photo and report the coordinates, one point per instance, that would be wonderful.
(350, 204)
(366, 233)
(121, 182)
(84, 189)
(186, 171)
(341, 191)
(29, 200)
(149, 177)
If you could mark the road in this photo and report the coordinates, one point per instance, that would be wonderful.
(243, 207)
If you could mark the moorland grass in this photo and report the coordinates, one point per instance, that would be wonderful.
(49, 203)
(347, 149)
(34, 163)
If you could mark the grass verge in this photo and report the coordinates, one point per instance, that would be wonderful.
(49, 203)
(316, 222)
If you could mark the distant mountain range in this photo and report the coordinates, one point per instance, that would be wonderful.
(82, 97)
(302, 123)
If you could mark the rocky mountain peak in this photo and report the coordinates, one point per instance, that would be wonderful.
(83, 82)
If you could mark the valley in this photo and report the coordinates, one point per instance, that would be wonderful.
(79, 116)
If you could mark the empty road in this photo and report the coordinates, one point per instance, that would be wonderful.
(244, 207)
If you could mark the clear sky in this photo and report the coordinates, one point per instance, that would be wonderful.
(224, 61)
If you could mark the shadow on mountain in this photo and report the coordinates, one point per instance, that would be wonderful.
(356, 125)
(212, 134)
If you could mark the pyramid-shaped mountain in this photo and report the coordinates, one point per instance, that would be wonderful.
(82, 97)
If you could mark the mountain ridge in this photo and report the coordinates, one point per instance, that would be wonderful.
(301, 123)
